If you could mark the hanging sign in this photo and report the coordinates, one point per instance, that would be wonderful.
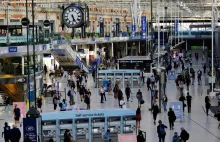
(176, 22)
(143, 27)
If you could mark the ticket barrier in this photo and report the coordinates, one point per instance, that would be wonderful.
(49, 130)
(98, 128)
(65, 124)
(82, 131)
(114, 125)
(129, 124)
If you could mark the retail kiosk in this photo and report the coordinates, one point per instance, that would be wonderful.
(88, 125)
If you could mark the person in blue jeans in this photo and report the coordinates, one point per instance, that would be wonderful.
(165, 103)
(161, 131)
(106, 136)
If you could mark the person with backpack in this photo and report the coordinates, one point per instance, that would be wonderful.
(127, 92)
(87, 101)
(171, 118)
(176, 138)
(15, 134)
(161, 131)
(139, 97)
(184, 135)
(152, 80)
(199, 75)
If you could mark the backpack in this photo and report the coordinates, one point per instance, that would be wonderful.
(187, 136)
(162, 131)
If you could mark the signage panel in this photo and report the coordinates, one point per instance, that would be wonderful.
(12, 49)
(178, 109)
(30, 128)
(83, 30)
(171, 75)
(127, 138)
(176, 22)
(143, 27)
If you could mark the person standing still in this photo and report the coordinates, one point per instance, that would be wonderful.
(161, 131)
(171, 118)
(188, 100)
(106, 136)
(165, 100)
(7, 104)
(182, 99)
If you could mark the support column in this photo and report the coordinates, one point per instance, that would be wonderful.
(112, 49)
(22, 65)
(139, 47)
(126, 48)
(76, 48)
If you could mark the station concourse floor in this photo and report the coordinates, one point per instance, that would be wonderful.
(201, 128)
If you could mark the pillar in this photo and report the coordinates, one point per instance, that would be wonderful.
(186, 45)
(95, 50)
(76, 48)
(112, 49)
(126, 48)
(139, 47)
(22, 65)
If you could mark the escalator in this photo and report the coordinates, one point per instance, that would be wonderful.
(65, 51)
(14, 91)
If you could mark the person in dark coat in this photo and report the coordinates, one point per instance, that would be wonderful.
(182, 99)
(148, 83)
(207, 104)
(161, 131)
(6, 132)
(171, 117)
(183, 134)
(67, 136)
(120, 96)
(155, 111)
(140, 137)
(128, 92)
(188, 100)
(39, 103)
(15, 134)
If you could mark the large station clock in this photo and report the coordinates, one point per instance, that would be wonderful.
(73, 16)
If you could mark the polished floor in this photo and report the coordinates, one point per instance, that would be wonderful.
(202, 128)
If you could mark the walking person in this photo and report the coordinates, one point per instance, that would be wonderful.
(207, 104)
(17, 114)
(148, 84)
(63, 105)
(204, 68)
(193, 77)
(55, 101)
(171, 118)
(68, 79)
(6, 132)
(182, 99)
(15, 134)
(45, 69)
(127, 92)
(120, 96)
(188, 100)
(140, 137)
(152, 80)
(87, 101)
(138, 117)
(7, 104)
(115, 90)
(184, 135)
(67, 136)
(139, 97)
(39, 103)
(155, 110)
(161, 131)
(142, 76)
(217, 115)
(164, 101)
(122, 103)
(101, 92)
(199, 76)
(106, 136)
(81, 92)
(71, 93)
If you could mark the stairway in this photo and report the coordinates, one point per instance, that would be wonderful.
(72, 53)
(14, 91)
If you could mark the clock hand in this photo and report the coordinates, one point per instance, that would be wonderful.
(73, 18)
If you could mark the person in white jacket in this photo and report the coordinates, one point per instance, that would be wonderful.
(122, 103)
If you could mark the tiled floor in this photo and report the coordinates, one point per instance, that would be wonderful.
(200, 127)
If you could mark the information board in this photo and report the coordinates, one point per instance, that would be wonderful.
(30, 128)
(178, 109)
(171, 75)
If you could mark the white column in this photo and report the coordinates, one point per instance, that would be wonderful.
(135, 13)
(112, 49)
(76, 48)
(139, 47)
(22, 65)
(126, 48)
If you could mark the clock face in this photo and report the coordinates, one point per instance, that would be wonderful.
(72, 17)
